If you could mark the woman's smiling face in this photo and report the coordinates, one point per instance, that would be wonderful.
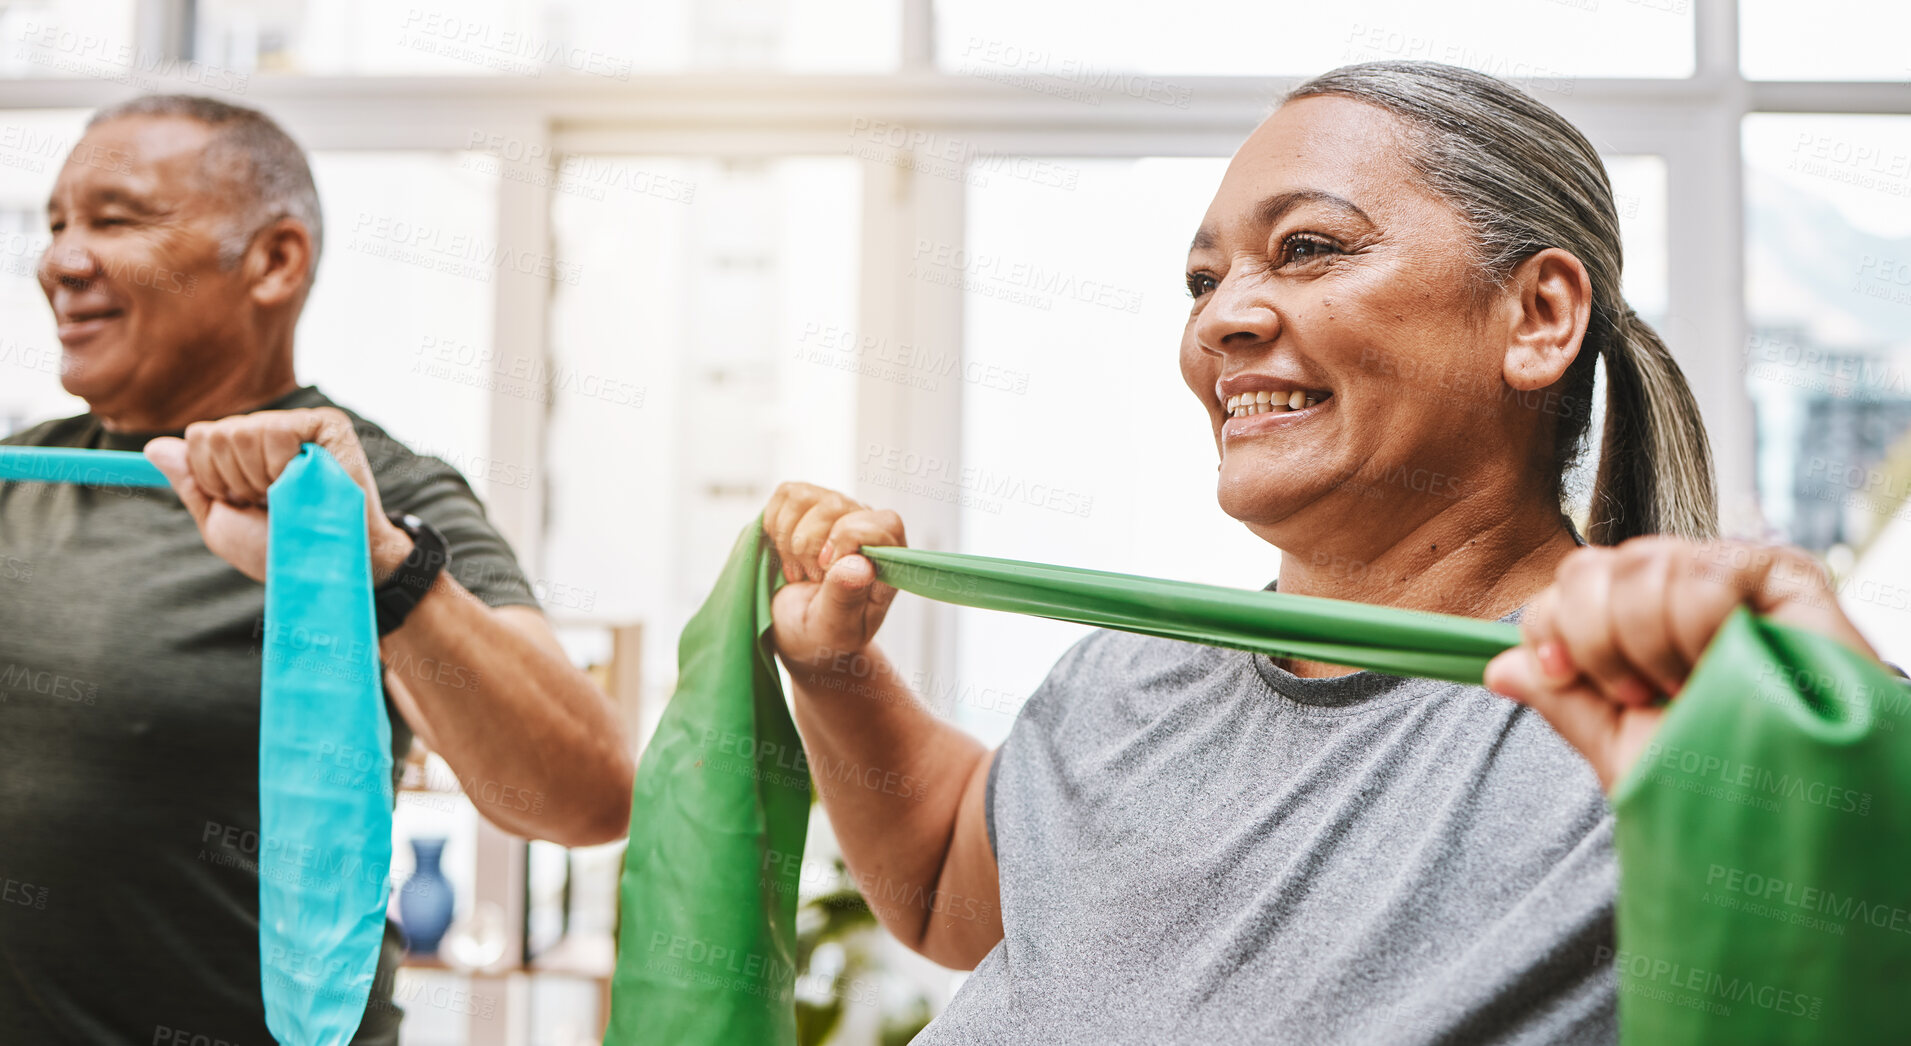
(1325, 273)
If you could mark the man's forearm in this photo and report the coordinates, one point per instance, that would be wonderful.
(892, 776)
(535, 744)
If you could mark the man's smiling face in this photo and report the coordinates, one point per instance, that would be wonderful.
(133, 273)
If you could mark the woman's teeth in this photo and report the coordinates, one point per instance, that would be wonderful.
(1250, 403)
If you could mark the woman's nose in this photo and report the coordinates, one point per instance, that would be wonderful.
(1239, 315)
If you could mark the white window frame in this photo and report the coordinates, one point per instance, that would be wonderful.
(1693, 123)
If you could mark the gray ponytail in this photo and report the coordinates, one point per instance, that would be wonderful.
(1655, 464)
(1525, 179)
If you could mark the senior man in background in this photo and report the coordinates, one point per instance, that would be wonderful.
(185, 236)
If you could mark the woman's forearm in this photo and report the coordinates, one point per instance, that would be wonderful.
(900, 788)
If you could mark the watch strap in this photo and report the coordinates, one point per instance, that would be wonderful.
(401, 593)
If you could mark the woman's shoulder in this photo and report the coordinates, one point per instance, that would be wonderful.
(1107, 656)
(1109, 676)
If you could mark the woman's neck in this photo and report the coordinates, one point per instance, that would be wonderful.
(1461, 560)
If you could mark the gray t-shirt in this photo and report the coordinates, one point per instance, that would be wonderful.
(1198, 847)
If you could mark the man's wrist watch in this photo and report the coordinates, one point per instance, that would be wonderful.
(401, 593)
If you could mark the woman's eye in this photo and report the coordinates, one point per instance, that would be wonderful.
(1306, 249)
(1200, 284)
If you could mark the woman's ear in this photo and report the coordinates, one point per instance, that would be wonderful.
(1551, 298)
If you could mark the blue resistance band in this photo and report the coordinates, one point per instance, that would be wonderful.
(325, 783)
(86, 468)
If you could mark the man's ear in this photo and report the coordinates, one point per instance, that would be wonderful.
(280, 258)
(1550, 298)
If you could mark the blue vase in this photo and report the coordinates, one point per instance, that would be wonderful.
(425, 901)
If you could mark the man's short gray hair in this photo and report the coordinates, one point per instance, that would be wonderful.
(252, 152)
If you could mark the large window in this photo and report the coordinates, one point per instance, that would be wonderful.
(1828, 362)
(1092, 451)
(33, 145)
(1825, 40)
(628, 265)
(73, 39)
(1086, 51)
(689, 376)
(399, 323)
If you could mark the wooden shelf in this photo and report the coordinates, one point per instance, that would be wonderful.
(588, 957)
(427, 962)
(585, 958)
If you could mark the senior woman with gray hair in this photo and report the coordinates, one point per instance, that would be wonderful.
(1407, 267)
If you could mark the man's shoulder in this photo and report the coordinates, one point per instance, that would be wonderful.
(431, 487)
(60, 432)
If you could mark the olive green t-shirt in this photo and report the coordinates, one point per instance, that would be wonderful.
(129, 750)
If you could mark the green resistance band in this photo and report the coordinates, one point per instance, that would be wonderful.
(1333, 631)
(1791, 723)
(325, 837)
(1764, 839)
